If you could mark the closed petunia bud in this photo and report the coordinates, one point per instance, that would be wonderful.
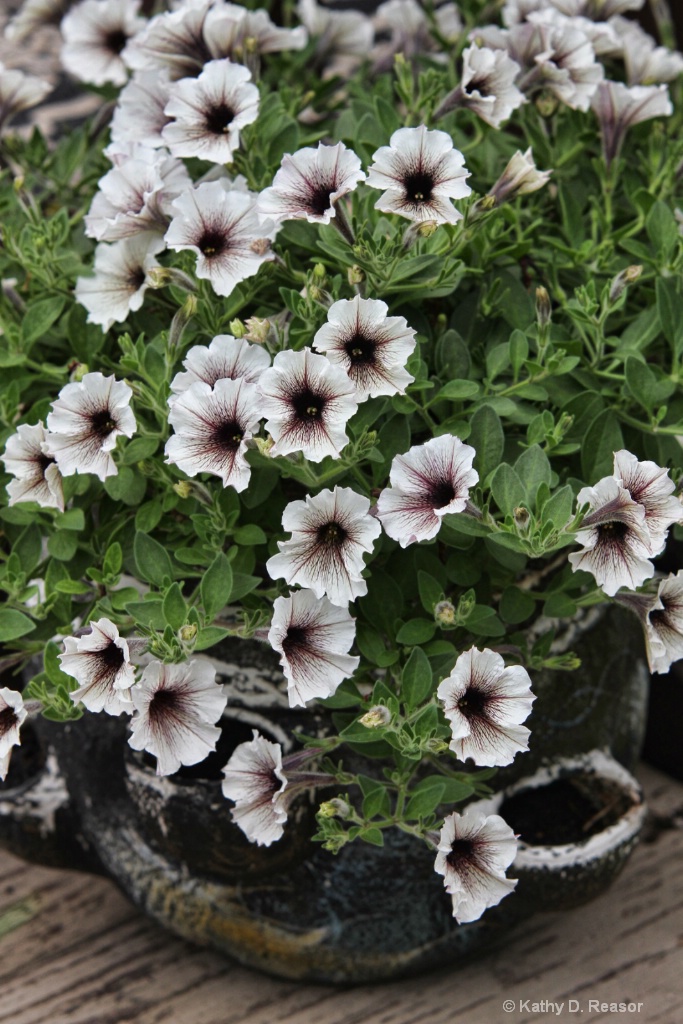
(445, 615)
(377, 717)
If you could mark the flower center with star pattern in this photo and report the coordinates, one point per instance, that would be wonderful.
(212, 243)
(229, 436)
(332, 535)
(441, 493)
(102, 423)
(360, 350)
(461, 854)
(419, 186)
(308, 406)
(219, 118)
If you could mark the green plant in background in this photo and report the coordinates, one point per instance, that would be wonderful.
(369, 351)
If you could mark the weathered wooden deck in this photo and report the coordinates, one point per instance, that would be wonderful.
(74, 951)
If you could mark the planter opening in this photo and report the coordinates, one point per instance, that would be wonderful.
(565, 811)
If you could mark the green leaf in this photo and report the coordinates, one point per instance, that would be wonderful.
(533, 469)
(431, 591)
(113, 560)
(559, 606)
(210, 635)
(151, 559)
(487, 439)
(175, 609)
(669, 309)
(497, 360)
(128, 486)
(72, 519)
(243, 584)
(216, 586)
(603, 438)
(426, 799)
(53, 668)
(148, 516)
(516, 605)
(416, 631)
(377, 803)
(507, 489)
(40, 316)
(147, 613)
(559, 507)
(63, 545)
(519, 351)
(456, 390)
(369, 643)
(138, 449)
(14, 624)
(250, 535)
(662, 229)
(416, 678)
(372, 836)
(28, 548)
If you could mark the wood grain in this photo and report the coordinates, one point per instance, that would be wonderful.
(84, 955)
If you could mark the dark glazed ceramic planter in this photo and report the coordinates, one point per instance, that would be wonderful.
(294, 909)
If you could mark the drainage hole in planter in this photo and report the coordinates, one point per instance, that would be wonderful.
(27, 761)
(565, 811)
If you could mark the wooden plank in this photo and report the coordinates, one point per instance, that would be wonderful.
(88, 957)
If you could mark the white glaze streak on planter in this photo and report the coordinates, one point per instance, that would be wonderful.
(42, 801)
(89, 958)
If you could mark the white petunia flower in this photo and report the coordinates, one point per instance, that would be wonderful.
(339, 35)
(135, 196)
(419, 172)
(226, 358)
(139, 114)
(566, 66)
(664, 625)
(404, 27)
(310, 182)
(429, 481)
(222, 227)
(172, 41)
(254, 779)
(331, 533)
(615, 538)
(651, 487)
(176, 708)
(309, 401)
(120, 282)
(209, 112)
(486, 703)
(601, 34)
(212, 427)
(19, 92)
(37, 476)
(12, 717)
(372, 347)
(618, 107)
(474, 852)
(85, 422)
(313, 638)
(35, 14)
(646, 63)
(100, 661)
(231, 30)
(487, 86)
(95, 33)
(519, 177)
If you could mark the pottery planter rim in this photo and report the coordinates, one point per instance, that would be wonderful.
(602, 765)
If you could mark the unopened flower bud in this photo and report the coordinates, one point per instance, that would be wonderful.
(546, 104)
(181, 320)
(237, 329)
(260, 246)
(521, 517)
(78, 372)
(376, 717)
(444, 614)
(355, 275)
(420, 229)
(336, 808)
(436, 746)
(160, 277)
(258, 330)
(18, 182)
(319, 273)
(264, 445)
(183, 488)
(624, 278)
(543, 307)
(187, 633)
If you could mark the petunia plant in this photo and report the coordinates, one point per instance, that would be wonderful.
(358, 338)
